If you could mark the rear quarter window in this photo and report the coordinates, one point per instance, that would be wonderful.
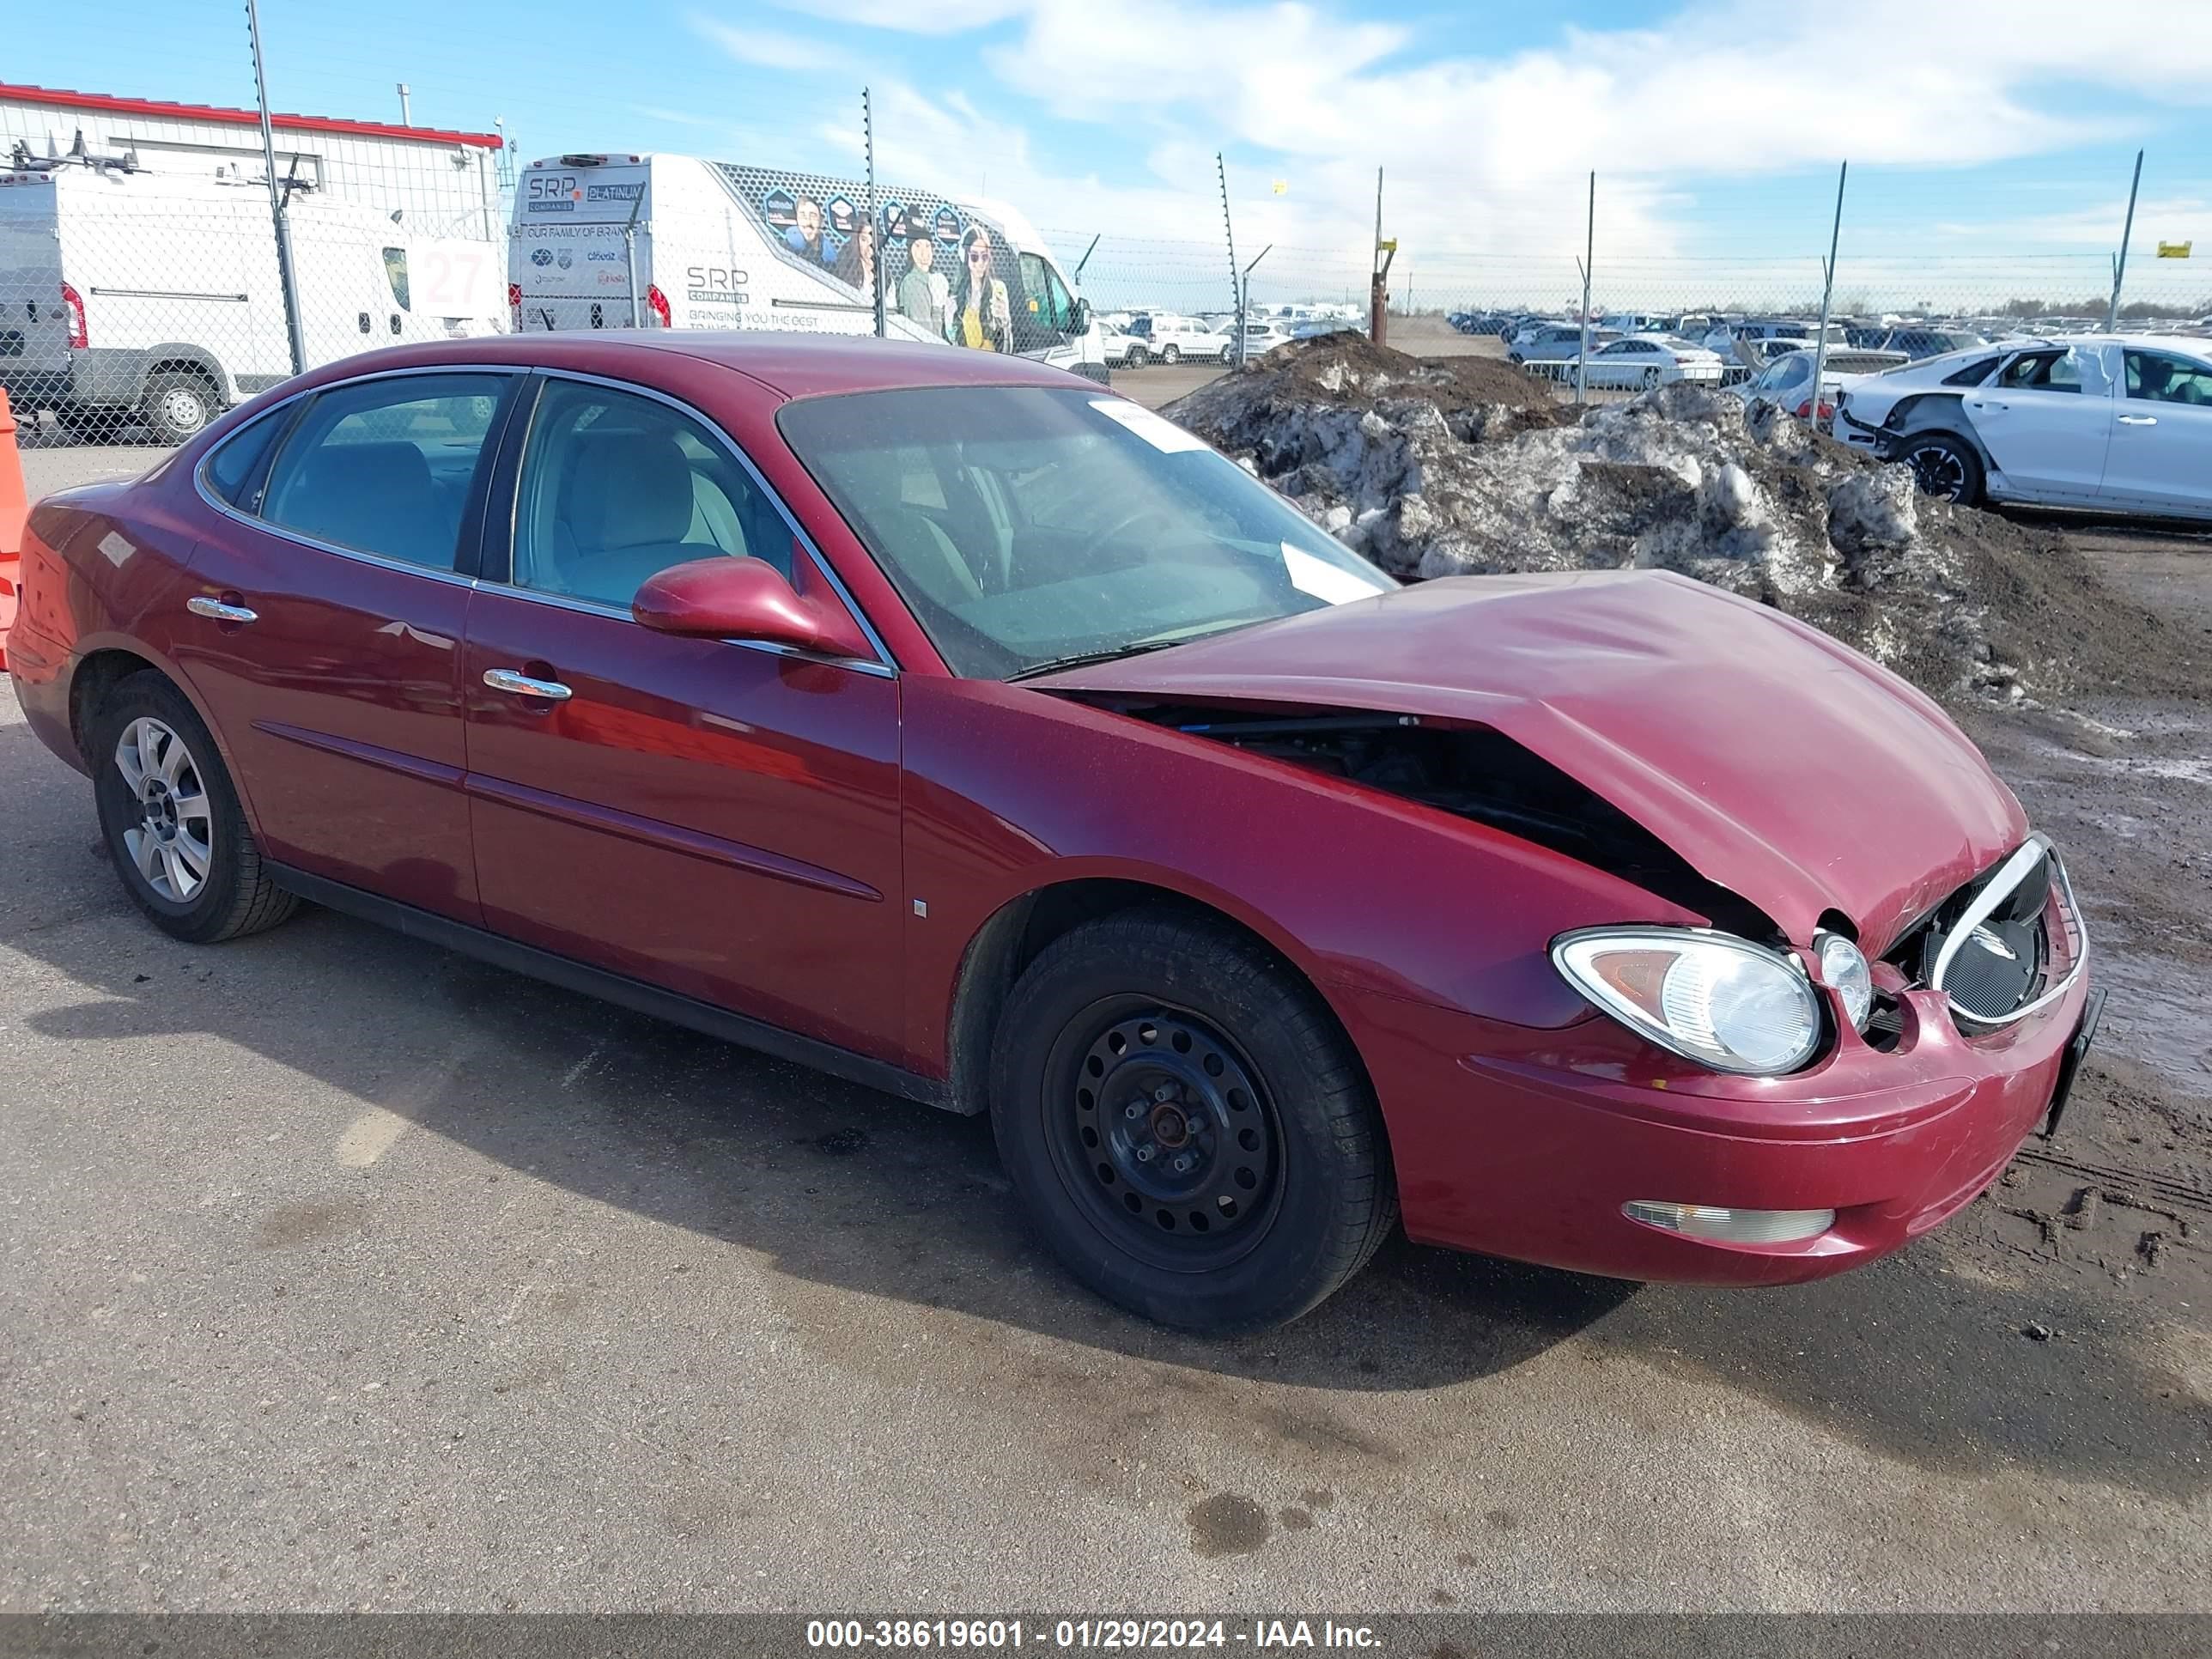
(234, 472)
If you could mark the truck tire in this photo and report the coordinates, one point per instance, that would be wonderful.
(178, 406)
(1172, 355)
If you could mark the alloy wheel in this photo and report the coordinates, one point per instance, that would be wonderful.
(1939, 470)
(171, 845)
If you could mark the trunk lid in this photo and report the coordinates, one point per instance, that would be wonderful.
(1779, 763)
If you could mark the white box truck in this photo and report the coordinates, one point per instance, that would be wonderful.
(129, 296)
(674, 241)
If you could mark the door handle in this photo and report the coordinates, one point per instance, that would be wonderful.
(2138, 420)
(200, 606)
(506, 679)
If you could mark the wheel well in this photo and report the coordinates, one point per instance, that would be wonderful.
(96, 676)
(192, 367)
(1020, 930)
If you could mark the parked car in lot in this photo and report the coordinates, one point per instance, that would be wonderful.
(2119, 421)
(935, 719)
(1170, 339)
(1555, 343)
(1263, 336)
(1787, 380)
(1644, 361)
(1120, 350)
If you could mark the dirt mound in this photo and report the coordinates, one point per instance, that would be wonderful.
(1463, 466)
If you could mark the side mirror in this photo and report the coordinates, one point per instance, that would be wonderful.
(1079, 318)
(743, 598)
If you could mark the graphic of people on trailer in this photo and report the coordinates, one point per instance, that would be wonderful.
(941, 270)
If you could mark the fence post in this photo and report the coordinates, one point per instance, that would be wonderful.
(1378, 274)
(1589, 258)
(2120, 260)
(875, 230)
(1827, 294)
(1236, 291)
(629, 247)
(285, 280)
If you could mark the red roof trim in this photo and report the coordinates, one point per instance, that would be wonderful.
(157, 110)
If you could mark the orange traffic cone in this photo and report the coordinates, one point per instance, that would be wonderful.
(15, 508)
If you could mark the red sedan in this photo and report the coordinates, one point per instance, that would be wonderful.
(945, 722)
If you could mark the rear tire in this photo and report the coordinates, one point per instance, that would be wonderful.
(1944, 466)
(1187, 1124)
(171, 818)
(177, 406)
(1172, 356)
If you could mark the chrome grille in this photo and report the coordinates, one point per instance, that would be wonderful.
(1988, 948)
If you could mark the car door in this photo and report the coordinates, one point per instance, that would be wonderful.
(2161, 456)
(327, 621)
(714, 817)
(2045, 420)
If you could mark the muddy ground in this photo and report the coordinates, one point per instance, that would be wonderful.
(2122, 1202)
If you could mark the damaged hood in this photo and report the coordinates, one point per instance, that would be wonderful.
(1778, 763)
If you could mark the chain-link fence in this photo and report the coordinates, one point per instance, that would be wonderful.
(142, 291)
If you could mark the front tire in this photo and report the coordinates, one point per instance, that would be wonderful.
(1944, 466)
(171, 818)
(1188, 1126)
(1137, 358)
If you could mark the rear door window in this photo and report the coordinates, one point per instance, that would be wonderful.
(386, 466)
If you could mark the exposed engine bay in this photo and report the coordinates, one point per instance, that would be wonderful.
(1477, 774)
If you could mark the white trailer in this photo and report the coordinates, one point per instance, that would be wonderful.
(128, 294)
(674, 242)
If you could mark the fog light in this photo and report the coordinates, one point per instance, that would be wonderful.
(1730, 1226)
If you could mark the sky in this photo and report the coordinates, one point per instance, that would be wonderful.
(1990, 142)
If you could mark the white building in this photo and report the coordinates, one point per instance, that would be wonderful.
(445, 184)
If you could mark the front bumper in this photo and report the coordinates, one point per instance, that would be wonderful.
(1525, 1143)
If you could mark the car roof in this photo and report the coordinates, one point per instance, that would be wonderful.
(794, 365)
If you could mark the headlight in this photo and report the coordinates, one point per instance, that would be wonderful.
(1844, 966)
(1721, 1001)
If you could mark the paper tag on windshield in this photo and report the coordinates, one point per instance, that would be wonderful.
(1331, 584)
(1160, 433)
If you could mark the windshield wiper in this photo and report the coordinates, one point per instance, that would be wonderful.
(1084, 658)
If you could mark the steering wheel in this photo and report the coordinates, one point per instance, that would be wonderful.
(1136, 515)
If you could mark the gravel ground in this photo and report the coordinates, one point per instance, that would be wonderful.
(346, 1272)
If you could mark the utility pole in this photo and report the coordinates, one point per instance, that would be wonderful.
(1827, 294)
(2120, 260)
(1588, 258)
(1379, 280)
(278, 217)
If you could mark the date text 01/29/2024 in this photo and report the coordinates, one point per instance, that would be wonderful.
(987, 1635)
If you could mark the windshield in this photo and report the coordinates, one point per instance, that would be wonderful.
(1026, 525)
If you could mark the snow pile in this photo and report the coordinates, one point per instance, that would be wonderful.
(1415, 465)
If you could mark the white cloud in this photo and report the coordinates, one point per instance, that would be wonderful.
(1486, 155)
(768, 48)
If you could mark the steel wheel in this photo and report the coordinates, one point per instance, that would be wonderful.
(173, 845)
(1162, 1130)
